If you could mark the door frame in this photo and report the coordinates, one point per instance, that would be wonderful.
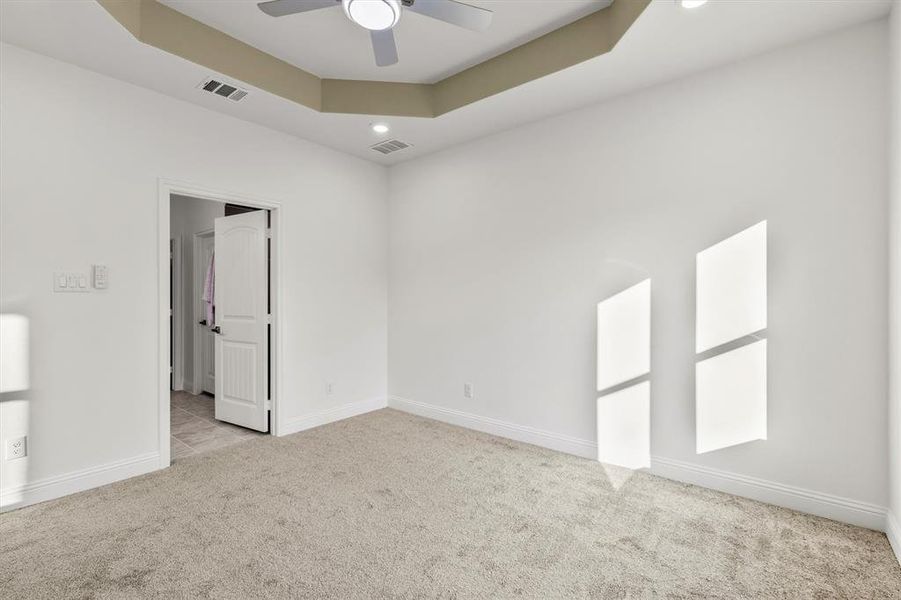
(178, 316)
(167, 188)
(197, 376)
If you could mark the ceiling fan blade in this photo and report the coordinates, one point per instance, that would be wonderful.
(384, 47)
(455, 13)
(280, 8)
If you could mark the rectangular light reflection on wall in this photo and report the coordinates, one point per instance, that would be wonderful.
(731, 288)
(624, 355)
(13, 353)
(624, 335)
(731, 394)
(731, 398)
(624, 436)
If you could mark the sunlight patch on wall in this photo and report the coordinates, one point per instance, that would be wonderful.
(623, 427)
(731, 398)
(624, 355)
(731, 386)
(13, 353)
(624, 336)
(14, 407)
(731, 288)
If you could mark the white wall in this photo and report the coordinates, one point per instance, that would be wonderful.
(80, 186)
(895, 282)
(501, 248)
(187, 217)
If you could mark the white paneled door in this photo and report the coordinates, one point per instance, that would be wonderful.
(241, 320)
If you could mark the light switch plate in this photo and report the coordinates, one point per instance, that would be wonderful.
(101, 277)
(70, 282)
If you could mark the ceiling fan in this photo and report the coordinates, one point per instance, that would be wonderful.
(380, 17)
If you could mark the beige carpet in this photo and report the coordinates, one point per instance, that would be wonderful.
(388, 505)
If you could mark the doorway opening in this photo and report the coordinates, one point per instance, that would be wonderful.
(220, 381)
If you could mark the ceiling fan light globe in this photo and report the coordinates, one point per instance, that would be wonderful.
(374, 15)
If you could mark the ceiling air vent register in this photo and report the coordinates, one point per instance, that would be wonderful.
(389, 146)
(214, 86)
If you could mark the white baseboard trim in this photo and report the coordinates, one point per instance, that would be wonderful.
(841, 509)
(520, 433)
(893, 533)
(820, 504)
(330, 415)
(77, 481)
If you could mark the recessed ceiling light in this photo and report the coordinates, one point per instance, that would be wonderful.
(375, 15)
(379, 127)
(692, 3)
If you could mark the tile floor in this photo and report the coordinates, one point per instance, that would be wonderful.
(194, 429)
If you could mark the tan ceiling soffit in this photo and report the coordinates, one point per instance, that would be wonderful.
(169, 30)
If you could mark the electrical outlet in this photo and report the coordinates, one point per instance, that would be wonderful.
(467, 390)
(16, 448)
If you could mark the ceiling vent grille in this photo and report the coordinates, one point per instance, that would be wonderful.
(389, 146)
(214, 86)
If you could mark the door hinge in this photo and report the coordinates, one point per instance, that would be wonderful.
(268, 319)
(268, 232)
(268, 404)
(170, 369)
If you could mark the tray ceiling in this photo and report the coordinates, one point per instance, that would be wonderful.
(326, 43)
(665, 44)
(158, 25)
